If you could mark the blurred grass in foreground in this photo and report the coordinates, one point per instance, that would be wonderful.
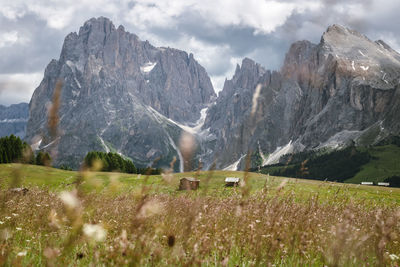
(121, 219)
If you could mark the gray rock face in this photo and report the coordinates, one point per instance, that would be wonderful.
(344, 88)
(119, 94)
(13, 119)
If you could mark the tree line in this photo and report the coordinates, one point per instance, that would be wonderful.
(14, 150)
(109, 162)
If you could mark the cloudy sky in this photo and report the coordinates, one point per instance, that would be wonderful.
(218, 32)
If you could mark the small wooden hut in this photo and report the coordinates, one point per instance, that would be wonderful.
(232, 181)
(189, 183)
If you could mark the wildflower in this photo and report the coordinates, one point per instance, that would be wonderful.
(54, 221)
(14, 214)
(69, 199)
(18, 228)
(8, 217)
(1, 222)
(150, 208)
(51, 252)
(38, 205)
(167, 177)
(22, 253)
(393, 257)
(95, 232)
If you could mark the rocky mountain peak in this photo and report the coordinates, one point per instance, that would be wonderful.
(115, 88)
(100, 26)
(245, 76)
(248, 63)
(344, 88)
(346, 51)
(100, 21)
(348, 43)
(299, 54)
(337, 29)
(247, 73)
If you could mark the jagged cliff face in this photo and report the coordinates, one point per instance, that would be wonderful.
(13, 119)
(345, 88)
(119, 94)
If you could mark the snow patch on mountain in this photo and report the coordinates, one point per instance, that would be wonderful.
(147, 67)
(195, 130)
(13, 120)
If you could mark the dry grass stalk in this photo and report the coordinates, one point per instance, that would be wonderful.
(53, 118)
(272, 228)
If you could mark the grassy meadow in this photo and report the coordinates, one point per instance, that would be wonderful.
(72, 218)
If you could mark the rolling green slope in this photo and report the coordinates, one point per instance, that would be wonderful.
(212, 183)
(350, 165)
(384, 163)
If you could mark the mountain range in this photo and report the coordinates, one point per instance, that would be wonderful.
(124, 95)
(13, 119)
(344, 89)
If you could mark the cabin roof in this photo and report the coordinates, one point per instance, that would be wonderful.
(232, 180)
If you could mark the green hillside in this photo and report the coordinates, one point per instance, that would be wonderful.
(384, 163)
(349, 165)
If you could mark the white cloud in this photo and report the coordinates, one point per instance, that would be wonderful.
(10, 38)
(151, 13)
(218, 50)
(262, 16)
(12, 10)
(15, 88)
(61, 13)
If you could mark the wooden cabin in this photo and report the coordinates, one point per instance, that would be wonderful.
(189, 183)
(232, 181)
